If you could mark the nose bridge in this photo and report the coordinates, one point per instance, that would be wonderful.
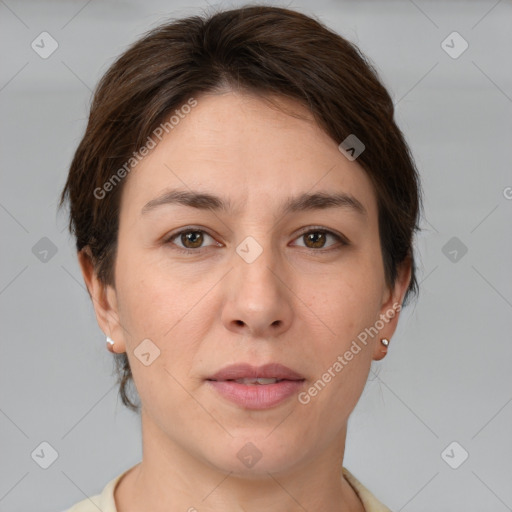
(256, 294)
(256, 260)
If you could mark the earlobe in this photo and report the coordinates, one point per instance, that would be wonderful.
(382, 350)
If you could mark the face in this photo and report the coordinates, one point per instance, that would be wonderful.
(251, 282)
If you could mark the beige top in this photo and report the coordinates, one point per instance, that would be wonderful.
(105, 501)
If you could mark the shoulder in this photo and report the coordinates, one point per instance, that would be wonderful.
(369, 501)
(90, 504)
(103, 501)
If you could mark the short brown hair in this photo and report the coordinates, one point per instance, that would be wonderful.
(264, 50)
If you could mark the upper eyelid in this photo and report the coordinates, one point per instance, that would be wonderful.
(187, 230)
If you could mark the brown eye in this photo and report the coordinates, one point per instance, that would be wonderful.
(191, 239)
(317, 239)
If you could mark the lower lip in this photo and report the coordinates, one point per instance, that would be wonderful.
(257, 396)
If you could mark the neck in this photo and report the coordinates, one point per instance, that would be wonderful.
(172, 477)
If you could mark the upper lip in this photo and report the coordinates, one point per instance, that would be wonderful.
(246, 370)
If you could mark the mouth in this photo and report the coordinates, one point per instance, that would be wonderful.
(253, 387)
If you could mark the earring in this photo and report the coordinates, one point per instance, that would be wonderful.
(110, 344)
(384, 341)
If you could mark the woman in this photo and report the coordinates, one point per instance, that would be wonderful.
(244, 208)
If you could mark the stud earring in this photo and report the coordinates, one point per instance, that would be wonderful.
(110, 344)
(384, 341)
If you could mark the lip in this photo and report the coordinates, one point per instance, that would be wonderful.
(257, 396)
(246, 370)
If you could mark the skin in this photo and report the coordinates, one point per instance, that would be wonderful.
(294, 304)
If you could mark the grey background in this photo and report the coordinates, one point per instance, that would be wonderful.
(447, 376)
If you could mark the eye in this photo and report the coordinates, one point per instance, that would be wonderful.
(316, 238)
(191, 239)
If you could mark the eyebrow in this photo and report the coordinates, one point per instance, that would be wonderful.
(302, 202)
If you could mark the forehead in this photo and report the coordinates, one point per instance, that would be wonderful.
(239, 147)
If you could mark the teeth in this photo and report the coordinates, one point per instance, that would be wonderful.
(256, 381)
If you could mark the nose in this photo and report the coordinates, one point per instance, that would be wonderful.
(258, 297)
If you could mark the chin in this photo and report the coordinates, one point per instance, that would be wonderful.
(254, 456)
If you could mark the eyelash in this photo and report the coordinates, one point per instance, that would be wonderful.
(313, 229)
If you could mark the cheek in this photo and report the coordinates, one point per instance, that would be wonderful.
(349, 305)
(353, 298)
(161, 306)
(346, 351)
(151, 309)
(149, 295)
(140, 303)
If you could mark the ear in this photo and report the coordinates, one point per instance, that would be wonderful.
(391, 307)
(104, 300)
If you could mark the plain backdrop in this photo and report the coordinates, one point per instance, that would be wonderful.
(443, 393)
